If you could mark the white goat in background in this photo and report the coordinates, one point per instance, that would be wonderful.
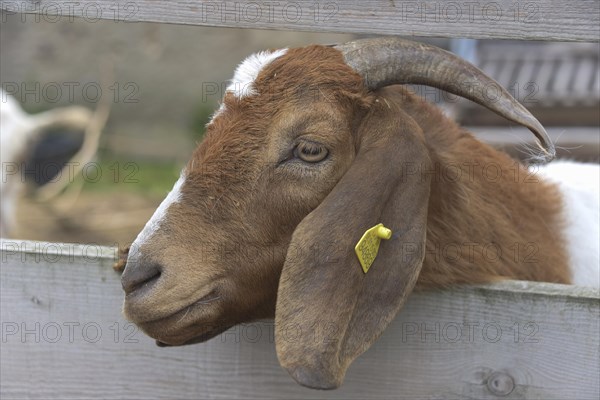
(20, 132)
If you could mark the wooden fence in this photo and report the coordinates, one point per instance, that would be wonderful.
(62, 331)
(63, 337)
(575, 20)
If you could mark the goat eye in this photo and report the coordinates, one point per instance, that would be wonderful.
(310, 152)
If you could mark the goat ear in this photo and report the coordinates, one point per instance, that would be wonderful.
(328, 310)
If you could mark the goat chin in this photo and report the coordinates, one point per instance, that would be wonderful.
(199, 339)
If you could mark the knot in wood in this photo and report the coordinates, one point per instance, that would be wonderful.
(500, 384)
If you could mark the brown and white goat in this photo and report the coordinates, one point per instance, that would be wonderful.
(311, 147)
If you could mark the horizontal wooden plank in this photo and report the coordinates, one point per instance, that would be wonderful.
(572, 143)
(550, 75)
(559, 20)
(569, 141)
(63, 337)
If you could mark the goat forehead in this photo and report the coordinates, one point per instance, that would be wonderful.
(278, 87)
(266, 80)
(242, 84)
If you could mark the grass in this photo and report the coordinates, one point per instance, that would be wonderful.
(199, 118)
(142, 177)
(154, 178)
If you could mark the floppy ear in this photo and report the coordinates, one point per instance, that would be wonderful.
(328, 310)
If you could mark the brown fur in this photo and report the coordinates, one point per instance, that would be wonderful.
(483, 208)
(259, 234)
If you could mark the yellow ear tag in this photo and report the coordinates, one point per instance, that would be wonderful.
(368, 245)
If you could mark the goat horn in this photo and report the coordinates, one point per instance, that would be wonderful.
(388, 61)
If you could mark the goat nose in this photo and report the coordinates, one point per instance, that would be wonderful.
(138, 275)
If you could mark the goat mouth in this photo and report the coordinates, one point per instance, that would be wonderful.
(197, 339)
(208, 298)
(188, 323)
(182, 314)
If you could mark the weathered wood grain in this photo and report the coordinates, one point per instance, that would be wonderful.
(572, 140)
(63, 337)
(577, 20)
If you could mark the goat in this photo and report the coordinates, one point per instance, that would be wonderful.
(19, 134)
(310, 148)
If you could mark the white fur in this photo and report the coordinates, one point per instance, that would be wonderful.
(245, 74)
(242, 83)
(580, 187)
(16, 129)
(155, 221)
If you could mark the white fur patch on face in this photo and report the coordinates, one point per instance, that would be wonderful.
(245, 74)
(155, 221)
(242, 83)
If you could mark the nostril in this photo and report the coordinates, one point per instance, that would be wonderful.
(139, 276)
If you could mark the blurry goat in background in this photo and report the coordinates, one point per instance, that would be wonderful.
(36, 148)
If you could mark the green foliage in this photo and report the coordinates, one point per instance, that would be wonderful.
(198, 120)
(152, 178)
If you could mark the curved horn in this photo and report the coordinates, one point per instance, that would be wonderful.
(388, 61)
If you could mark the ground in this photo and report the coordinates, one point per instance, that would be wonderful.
(109, 207)
(107, 218)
